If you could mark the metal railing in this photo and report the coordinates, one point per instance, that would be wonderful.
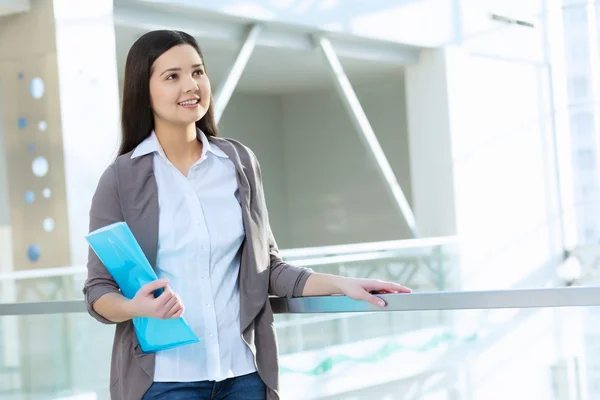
(444, 345)
(521, 298)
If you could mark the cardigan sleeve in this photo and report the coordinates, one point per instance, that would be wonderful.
(105, 210)
(285, 280)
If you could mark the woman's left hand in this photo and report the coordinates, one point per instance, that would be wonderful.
(363, 289)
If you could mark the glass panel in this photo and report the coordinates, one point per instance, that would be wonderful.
(66, 287)
(428, 267)
(425, 267)
(62, 356)
(372, 356)
(469, 354)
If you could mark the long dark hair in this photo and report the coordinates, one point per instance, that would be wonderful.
(137, 119)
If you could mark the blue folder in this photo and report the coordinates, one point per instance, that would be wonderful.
(118, 250)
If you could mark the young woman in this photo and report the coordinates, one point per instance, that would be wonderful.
(195, 204)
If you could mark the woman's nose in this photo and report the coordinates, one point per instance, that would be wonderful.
(191, 85)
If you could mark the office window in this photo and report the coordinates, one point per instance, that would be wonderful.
(584, 159)
(588, 190)
(579, 87)
(582, 124)
(590, 234)
(578, 52)
(575, 14)
(575, 17)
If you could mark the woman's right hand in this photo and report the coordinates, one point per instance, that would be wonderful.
(167, 305)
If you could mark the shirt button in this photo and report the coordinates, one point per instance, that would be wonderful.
(207, 305)
(211, 335)
(204, 277)
(203, 248)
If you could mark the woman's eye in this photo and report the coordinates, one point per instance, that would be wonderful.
(172, 76)
(199, 72)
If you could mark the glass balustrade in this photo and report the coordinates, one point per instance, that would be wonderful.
(518, 344)
(428, 264)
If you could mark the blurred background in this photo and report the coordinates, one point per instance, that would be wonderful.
(448, 145)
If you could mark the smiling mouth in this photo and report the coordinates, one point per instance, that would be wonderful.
(189, 102)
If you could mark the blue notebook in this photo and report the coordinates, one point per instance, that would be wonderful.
(120, 252)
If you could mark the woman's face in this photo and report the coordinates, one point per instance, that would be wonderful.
(179, 87)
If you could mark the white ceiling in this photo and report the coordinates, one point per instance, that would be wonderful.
(270, 70)
(426, 23)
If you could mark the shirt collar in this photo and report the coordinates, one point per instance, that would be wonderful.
(151, 145)
(208, 147)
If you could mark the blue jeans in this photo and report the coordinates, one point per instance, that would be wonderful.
(245, 387)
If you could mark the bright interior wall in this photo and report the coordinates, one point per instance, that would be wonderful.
(322, 186)
(255, 120)
(336, 194)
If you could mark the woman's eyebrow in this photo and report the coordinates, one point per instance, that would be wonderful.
(179, 69)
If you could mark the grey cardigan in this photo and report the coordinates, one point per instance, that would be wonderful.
(127, 192)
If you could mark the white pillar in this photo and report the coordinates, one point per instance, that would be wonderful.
(89, 97)
(429, 140)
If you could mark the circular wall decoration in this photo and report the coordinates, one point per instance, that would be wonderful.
(40, 166)
(49, 225)
(29, 197)
(33, 252)
(47, 193)
(42, 126)
(37, 88)
(22, 123)
(31, 147)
